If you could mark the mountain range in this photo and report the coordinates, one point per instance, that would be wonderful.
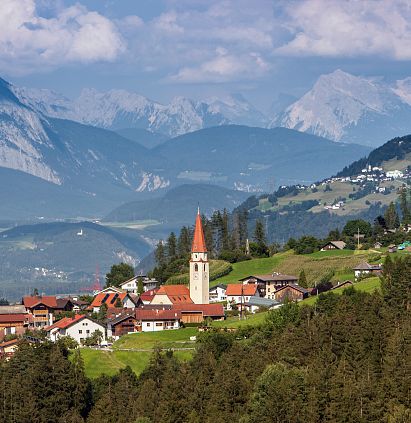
(90, 170)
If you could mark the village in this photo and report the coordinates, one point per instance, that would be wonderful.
(140, 305)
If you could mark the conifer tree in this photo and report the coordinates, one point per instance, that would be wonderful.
(302, 279)
(391, 217)
(171, 247)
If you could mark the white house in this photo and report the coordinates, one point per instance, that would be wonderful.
(154, 320)
(131, 285)
(79, 327)
(217, 293)
(239, 294)
(365, 268)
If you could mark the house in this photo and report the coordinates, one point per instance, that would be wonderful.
(345, 284)
(172, 294)
(333, 245)
(131, 285)
(14, 320)
(269, 283)
(217, 293)
(365, 268)
(42, 309)
(121, 325)
(8, 348)
(154, 320)
(238, 294)
(113, 300)
(292, 292)
(80, 327)
(392, 248)
(377, 245)
(255, 303)
(110, 290)
(147, 297)
(198, 313)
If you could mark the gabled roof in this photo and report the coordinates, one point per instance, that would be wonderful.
(175, 293)
(66, 322)
(10, 343)
(119, 319)
(107, 298)
(34, 300)
(14, 318)
(199, 245)
(340, 245)
(293, 286)
(148, 295)
(366, 266)
(341, 284)
(144, 314)
(212, 310)
(13, 309)
(261, 302)
(62, 302)
(238, 289)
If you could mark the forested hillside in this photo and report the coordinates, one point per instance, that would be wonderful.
(346, 359)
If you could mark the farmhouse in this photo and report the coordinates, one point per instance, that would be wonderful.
(291, 292)
(365, 268)
(255, 303)
(172, 294)
(14, 320)
(197, 313)
(333, 245)
(121, 325)
(80, 327)
(113, 300)
(238, 294)
(269, 283)
(131, 285)
(41, 308)
(153, 320)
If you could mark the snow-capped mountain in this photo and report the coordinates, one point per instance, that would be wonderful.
(237, 110)
(348, 108)
(117, 109)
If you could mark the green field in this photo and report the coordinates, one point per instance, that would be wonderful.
(98, 362)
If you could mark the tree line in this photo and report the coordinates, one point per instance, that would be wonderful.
(345, 359)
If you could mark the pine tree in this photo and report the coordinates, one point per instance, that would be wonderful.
(160, 254)
(140, 285)
(391, 217)
(302, 279)
(171, 247)
(259, 233)
(184, 242)
(405, 208)
(118, 274)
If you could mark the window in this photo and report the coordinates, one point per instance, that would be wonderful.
(80, 332)
(159, 324)
(87, 331)
(148, 324)
(196, 267)
(204, 268)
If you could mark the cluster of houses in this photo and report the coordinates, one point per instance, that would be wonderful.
(116, 311)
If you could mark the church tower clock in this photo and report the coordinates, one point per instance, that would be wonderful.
(199, 266)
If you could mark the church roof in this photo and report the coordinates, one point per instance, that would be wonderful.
(199, 245)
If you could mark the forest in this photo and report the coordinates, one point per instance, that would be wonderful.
(345, 359)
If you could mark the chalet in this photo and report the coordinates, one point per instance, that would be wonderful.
(333, 245)
(198, 313)
(79, 327)
(8, 348)
(292, 292)
(113, 300)
(131, 285)
(255, 303)
(269, 283)
(217, 293)
(121, 325)
(238, 294)
(156, 320)
(14, 320)
(365, 268)
(172, 294)
(42, 309)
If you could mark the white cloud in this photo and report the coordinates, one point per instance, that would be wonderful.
(29, 41)
(335, 28)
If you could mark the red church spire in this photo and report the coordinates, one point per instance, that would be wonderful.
(199, 245)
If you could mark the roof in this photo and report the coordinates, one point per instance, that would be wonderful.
(13, 309)
(238, 289)
(12, 318)
(120, 318)
(294, 286)
(148, 295)
(205, 309)
(261, 302)
(33, 300)
(220, 285)
(176, 293)
(366, 266)
(107, 298)
(144, 314)
(199, 245)
(66, 322)
(62, 302)
(10, 343)
(339, 285)
(338, 244)
(272, 277)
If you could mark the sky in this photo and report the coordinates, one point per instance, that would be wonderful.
(201, 48)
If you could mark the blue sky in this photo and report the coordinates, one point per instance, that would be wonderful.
(199, 48)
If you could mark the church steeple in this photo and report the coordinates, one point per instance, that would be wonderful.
(199, 266)
(199, 245)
